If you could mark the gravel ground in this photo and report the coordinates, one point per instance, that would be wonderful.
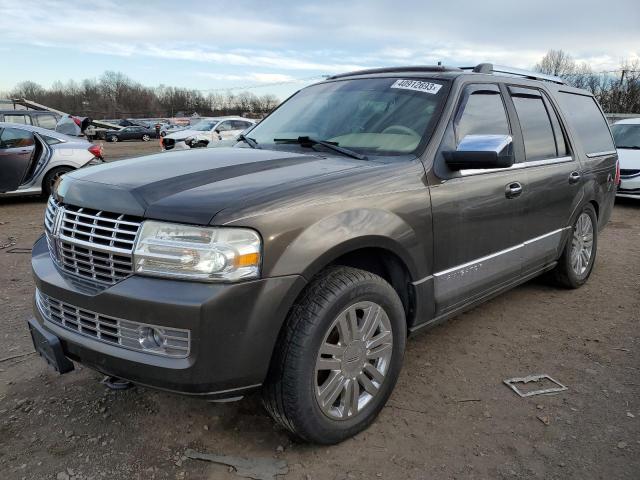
(449, 417)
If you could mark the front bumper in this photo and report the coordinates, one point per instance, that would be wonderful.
(176, 145)
(629, 187)
(234, 327)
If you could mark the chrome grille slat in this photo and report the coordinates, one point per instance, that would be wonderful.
(91, 244)
(111, 330)
(119, 220)
(110, 229)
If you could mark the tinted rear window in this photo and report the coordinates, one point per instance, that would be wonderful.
(588, 122)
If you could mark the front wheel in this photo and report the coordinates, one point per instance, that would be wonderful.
(338, 357)
(146, 138)
(579, 255)
(113, 138)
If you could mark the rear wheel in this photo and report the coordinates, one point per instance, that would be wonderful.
(51, 178)
(146, 138)
(579, 255)
(338, 357)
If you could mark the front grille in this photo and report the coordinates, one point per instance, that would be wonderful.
(175, 342)
(625, 172)
(91, 243)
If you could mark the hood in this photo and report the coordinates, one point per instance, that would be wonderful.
(629, 158)
(180, 134)
(192, 186)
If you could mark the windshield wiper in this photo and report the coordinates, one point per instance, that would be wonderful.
(309, 142)
(629, 147)
(249, 141)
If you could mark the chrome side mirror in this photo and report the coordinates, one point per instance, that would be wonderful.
(481, 151)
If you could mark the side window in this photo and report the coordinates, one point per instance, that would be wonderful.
(46, 121)
(481, 112)
(240, 125)
(537, 132)
(588, 122)
(21, 119)
(225, 126)
(16, 138)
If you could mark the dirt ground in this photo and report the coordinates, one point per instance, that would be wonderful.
(449, 417)
(128, 149)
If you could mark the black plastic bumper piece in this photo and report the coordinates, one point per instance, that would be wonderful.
(48, 347)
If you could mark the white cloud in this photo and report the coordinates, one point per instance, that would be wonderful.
(291, 36)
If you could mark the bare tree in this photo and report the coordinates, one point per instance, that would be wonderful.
(617, 91)
(556, 62)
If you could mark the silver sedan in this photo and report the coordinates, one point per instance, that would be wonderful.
(32, 159)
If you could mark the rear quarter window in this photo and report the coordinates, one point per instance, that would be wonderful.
(588, 122)
(46, 121)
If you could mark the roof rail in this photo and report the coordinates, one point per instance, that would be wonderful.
(516, 72)
(414, 68)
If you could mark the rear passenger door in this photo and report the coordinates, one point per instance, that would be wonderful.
(552, 177)
(17, 154)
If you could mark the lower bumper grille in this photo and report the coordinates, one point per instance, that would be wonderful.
(157, 340)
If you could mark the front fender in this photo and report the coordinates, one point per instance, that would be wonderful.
(327, 239)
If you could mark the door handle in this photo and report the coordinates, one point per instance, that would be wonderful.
(574, 177)
(513, 190)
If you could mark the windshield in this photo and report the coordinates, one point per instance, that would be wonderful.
(204, 125)
(383, 116)
(626, 135)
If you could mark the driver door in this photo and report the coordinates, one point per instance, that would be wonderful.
(475, 216)
(17, 154)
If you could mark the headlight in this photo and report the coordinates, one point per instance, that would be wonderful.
(197, 253)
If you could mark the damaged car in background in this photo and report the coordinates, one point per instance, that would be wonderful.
(207, 133)
(33, 158)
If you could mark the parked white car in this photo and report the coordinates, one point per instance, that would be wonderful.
(207, 132)
(32, 159)
(626, 134)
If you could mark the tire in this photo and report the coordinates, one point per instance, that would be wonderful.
(568, 273)
(146, 138)
(300, 376)
(113, 139)
(51, 178)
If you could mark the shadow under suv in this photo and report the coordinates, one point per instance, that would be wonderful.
(364, 208)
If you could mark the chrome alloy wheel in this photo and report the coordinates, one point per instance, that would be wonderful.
(353, 360)
(582, 244)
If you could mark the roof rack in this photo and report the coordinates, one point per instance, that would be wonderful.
(516, 72)
(414, 68)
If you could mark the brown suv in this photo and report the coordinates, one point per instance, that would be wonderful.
(364, 208)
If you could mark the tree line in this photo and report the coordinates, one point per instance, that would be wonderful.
(114, 95)
(618, 91)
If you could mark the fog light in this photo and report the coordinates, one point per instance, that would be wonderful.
(151, 338)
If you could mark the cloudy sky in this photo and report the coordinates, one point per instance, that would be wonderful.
(279, 46)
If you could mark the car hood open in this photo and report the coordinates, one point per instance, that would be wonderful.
(191, 186)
